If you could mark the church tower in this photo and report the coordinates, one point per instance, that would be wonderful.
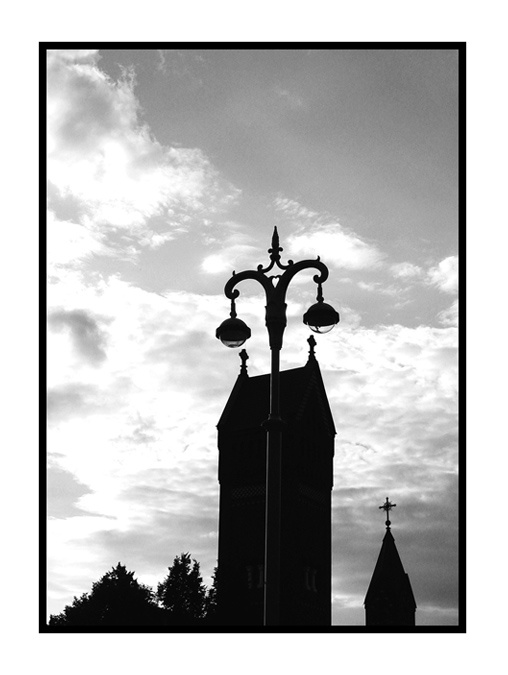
(389, 600)
(306, 485)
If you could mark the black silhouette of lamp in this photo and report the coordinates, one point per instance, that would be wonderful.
(321, 317)
(233, 332)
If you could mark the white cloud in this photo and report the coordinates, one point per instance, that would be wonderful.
(450, 316)
(315, 234)
(140, 433)
(233, 248)
(294, 210)
(154, 239)
(69, 242)
(230, 257)
(445, 275)
(378, 287)
(342, 249)
(138, 380)
(406, 270)
(73, 55)
(106, 159)
(146, 417)
(216, 263)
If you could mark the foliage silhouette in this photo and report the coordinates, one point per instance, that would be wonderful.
(182, 593)
(211, 610)
(117, 599)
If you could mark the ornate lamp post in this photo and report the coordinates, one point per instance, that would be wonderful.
(233, 332)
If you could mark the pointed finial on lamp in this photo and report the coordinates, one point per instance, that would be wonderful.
(276, 248)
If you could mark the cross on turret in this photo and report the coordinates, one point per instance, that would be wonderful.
(389, 600)
(388, 506)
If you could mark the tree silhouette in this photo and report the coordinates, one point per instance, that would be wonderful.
(117, 599)
(210, 611)
(182, 593)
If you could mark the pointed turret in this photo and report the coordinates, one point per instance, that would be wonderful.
(389, 600)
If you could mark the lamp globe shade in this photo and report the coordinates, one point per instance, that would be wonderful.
(321, 317)
(233, 332)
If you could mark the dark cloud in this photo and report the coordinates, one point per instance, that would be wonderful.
(77, 399)
(145, 431)
(74, 398)
(63, 491)
(88, 337)
(65, 205)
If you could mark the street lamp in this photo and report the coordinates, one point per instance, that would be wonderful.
(321, 317)
(233, 332)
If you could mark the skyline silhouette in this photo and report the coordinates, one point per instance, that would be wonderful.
(168, 169)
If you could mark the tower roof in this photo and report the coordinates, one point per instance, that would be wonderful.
(389, 583)
(249, 402)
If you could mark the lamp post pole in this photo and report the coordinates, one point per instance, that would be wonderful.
(233, 332)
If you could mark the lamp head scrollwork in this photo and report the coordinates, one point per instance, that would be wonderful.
(320, 318)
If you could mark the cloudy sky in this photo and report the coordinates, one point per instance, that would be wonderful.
(168, 169)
